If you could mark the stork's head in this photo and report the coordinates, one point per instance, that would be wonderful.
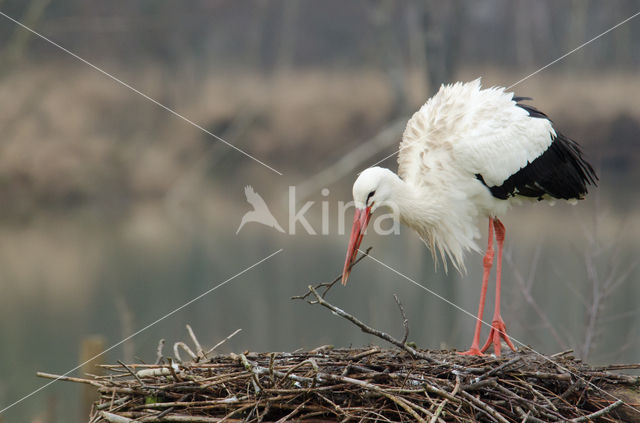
(372, 189)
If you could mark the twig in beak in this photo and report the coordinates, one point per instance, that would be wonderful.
(328, 285)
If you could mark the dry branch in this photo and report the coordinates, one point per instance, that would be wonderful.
(328, 285)
(320, 299)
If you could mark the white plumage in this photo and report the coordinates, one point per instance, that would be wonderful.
(476, 130)
(468, 153)
(460, 132)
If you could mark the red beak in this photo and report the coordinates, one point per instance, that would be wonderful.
(360, 221)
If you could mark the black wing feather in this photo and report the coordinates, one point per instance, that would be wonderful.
(559, 172)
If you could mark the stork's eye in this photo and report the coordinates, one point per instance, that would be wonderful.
(371, 194)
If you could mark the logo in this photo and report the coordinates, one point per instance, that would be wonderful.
(260, 213)
(382, 224)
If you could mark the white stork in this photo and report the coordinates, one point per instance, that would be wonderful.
(470, 152)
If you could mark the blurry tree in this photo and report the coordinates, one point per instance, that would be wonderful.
(382, 14)
(255, 35)
(532, 35)
(577, 32)
(287, 36)
(16, 48)
(444, 24)
(453, 32)
(416, 47)
(623, 36)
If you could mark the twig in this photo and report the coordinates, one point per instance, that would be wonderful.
(571, 389)
(544, 375)
(598, 413)
(181, 418)
(619, 366)
(171, 409)
(527, 417)
(400, 401)
(272, 360)
(434, 390)
(114, 403)
(199, 351)
(456, 389)
(498, 369)
(259, 370)
(484, 407)
(319, 299)
(227, 417)
(142, 384)
(329, 285)
(405, 405)
(186, 348)
(293, 413)
(436, 415)
(173, 372)
(321, 348)
(405, 321)
(294, 368)
(363, 354)
(114, 418)
(223, 341)
(68, 378)
(480, 385)
(561, 353)
(159, 354)
(249, 367)
(367, 329)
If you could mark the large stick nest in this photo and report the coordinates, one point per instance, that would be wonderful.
(371, 384)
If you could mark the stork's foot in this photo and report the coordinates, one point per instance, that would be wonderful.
(498, 332)
(471, 351)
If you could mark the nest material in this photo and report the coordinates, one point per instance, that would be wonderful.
(374, 384)
(366, 385)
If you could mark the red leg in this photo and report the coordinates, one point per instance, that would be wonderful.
(487, 263)
(498, 328)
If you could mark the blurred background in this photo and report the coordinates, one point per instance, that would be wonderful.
(115, 212)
